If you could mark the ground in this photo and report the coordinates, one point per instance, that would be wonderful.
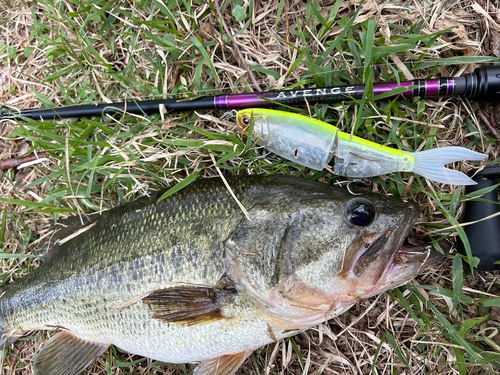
(69, 52)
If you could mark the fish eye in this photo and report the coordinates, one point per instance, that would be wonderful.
(360, 212)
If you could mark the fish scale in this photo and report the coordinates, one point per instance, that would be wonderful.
(272, 276)
(117, 264)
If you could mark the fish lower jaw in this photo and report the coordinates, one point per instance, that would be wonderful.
(396, 276)
(322, 314)
(295, 317)
(407, 263)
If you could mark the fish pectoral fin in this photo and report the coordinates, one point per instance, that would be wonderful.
(65, 354)
(225, 365)
(189, 305)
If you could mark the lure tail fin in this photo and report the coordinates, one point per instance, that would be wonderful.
(430, 164)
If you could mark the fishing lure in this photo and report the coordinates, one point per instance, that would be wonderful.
(314, 143)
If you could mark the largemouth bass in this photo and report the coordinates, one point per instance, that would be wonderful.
(191, 279)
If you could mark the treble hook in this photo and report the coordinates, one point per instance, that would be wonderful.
(228, 115)
(348, 187)
(364, 180)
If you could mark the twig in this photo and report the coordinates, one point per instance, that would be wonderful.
(488, 124)
(15, 162)
(243, 209)
(237, 49)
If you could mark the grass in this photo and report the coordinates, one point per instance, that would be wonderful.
(71, 52)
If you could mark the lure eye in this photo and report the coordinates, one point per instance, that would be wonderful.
(360, 212)
(246, 120)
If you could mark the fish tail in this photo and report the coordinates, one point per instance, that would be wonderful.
(7, 335)
(430, 164)
(4, 332)
(4, 337)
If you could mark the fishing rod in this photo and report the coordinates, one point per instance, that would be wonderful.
(483, 83)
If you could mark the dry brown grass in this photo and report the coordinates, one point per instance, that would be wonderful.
(346, 345)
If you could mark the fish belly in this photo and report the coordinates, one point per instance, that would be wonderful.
(133, 329)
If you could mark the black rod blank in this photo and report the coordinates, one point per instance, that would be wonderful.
(483, 83)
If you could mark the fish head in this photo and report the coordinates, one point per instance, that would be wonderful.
(359, 252)
(377, 259)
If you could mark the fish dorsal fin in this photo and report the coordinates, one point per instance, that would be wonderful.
(225, 365)
(65, 354)
(189, 305)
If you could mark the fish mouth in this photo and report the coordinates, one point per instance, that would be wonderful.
(388, 260)
(416, 256)
(422, 253)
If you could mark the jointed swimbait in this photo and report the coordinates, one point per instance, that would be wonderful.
(313, 143)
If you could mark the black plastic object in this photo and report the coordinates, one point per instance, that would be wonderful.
(484, 236)
(483, 83)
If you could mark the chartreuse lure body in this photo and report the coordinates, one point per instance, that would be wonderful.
(314, 143)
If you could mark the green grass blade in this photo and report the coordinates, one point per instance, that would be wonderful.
(15, 256)
(397, 349)
(3, 227)
(454, 335)
(490, 302)
(457, 280)
(19, 202)
(459, 60)
(196, 42)
(297, 351)
(179, 186)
